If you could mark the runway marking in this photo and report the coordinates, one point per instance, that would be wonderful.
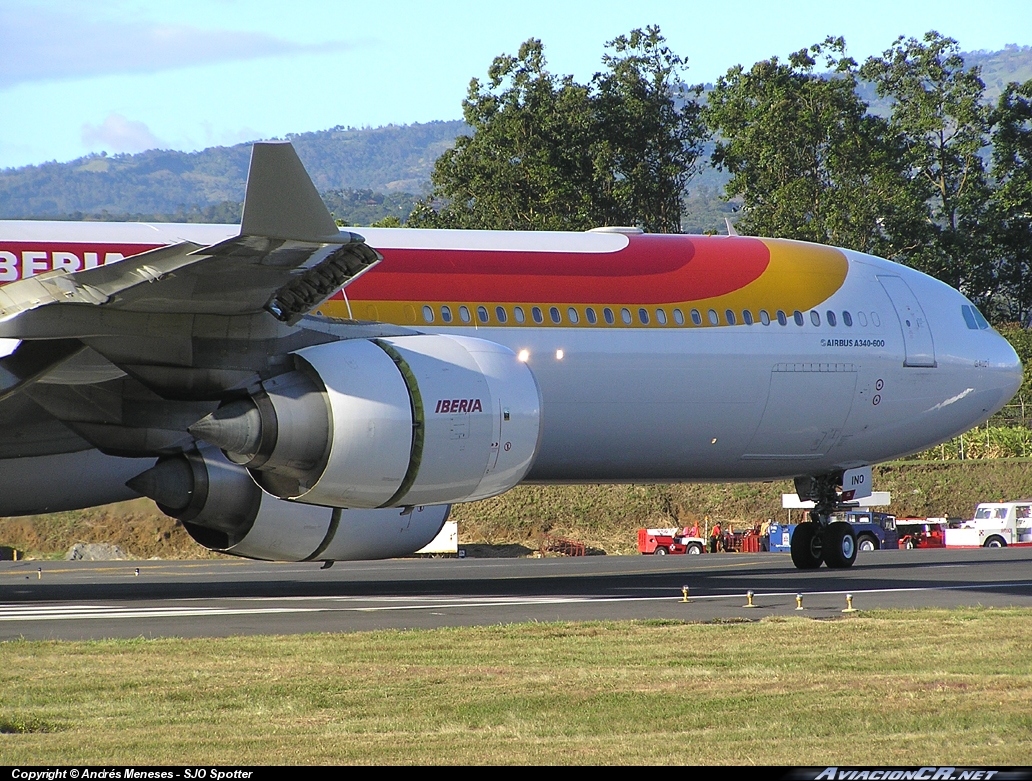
(63, 612)
(68, 612)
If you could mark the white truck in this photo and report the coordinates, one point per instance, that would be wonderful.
(995, 525)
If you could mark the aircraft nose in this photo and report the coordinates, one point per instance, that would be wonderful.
(1005, 367)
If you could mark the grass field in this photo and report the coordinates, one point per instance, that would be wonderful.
(885, 688)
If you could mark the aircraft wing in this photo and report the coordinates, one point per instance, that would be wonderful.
(103, 351)
(288, 259)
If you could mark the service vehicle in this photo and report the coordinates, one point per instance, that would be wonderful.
(995, 525)
(872, 530)
(921, 532)
(660, 542)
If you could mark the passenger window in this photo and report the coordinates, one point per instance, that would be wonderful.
(553, 313)
(696, 317)
(607, 313)
(764, 317)
(713, 318)
(747, 317)
(661, 316)
(571, 313)
(428, 314)
(446, 313)
(815, 317)
(464, 314)
(782, 320)
(643, 316)
(500, 314)
(678, 317)
(536, 314)
(831, 318)
(589, 313)
(847, 319)
(798, 317)
(517, 313)
(625, 315)
(729, 316)
(862, 319)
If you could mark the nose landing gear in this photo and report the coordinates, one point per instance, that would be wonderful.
(820, 540)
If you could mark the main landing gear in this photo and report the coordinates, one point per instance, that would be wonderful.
(820, 540)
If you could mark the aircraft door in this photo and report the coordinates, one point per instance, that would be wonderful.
(917, 337)
(806, 410)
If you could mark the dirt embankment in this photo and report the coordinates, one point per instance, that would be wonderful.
(604, 517)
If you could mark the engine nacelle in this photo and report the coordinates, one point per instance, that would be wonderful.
(223, 509)
(410, 420)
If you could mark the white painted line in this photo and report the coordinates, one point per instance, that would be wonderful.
(52, 612)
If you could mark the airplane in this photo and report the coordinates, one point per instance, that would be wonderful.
(290, 390)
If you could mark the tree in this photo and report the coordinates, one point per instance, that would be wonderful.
(548, 153)
(652, 129)
(939, 113)
(807, 158)
(1011, 202)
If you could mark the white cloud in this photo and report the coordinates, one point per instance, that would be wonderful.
(118, 134)
(42, 44)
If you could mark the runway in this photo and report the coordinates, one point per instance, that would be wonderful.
(93, 600)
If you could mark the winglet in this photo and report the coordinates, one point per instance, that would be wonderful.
(730, 227)
(281, 202)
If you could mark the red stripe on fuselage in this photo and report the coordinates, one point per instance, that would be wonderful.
(650, 270)
(23, 259)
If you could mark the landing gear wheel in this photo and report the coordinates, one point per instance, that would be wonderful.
(839, 545)
(807, 546)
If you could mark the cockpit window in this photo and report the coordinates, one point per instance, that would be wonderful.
(974, 318)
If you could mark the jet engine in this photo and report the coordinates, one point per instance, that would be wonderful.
(404, 421)
(223, 509)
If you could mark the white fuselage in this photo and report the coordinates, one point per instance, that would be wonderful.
(681, 402)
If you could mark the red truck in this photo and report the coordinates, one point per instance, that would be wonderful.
(660, 542)
(921, 532)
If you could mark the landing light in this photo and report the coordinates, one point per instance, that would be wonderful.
(523, 355)
(559, 355)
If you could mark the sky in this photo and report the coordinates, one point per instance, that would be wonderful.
(122, 76)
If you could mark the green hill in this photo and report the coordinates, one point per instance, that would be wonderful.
(161, 183)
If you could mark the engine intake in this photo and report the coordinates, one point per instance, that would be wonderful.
(223, 509)
(412, 420)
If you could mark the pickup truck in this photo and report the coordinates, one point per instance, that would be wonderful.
(995, 525)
